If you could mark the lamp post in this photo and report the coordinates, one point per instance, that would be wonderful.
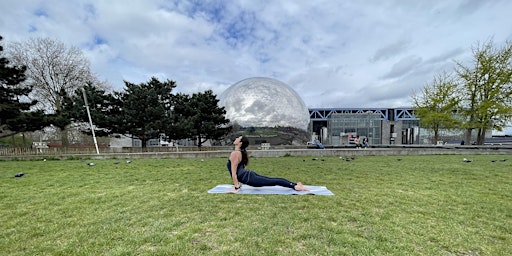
(90, 122)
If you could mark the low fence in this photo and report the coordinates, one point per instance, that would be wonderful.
(56, 151)
(216, 152)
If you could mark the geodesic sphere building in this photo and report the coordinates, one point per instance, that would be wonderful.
(264, 102)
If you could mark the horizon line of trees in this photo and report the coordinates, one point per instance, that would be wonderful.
(47, 85)
(475, 97)
(43, 83)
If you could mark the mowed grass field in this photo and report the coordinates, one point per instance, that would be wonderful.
(383, 205)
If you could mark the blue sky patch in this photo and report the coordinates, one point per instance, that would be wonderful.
(41, 13)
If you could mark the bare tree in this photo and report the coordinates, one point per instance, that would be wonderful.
(52, 68)
(54, 71)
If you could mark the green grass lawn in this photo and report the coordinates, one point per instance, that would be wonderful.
(421, 205)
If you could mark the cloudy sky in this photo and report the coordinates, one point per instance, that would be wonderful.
(368, 53)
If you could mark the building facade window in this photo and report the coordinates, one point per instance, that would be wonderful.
(344, 127)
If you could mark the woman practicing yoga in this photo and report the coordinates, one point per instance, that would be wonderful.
(236, 167)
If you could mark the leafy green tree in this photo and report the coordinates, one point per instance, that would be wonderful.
(144, 109)
(487, 89)
(436, 105)
(199, 117)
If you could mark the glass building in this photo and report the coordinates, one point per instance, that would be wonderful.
(385, 126)
(343, 128)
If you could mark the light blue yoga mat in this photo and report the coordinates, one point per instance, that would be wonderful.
(271, 190)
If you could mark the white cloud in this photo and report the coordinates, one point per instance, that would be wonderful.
(333, 53)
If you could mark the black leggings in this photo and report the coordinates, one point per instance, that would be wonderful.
(253, 179)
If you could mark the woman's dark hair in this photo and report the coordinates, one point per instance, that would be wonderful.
(243, 147)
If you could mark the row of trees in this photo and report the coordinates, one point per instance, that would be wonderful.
(147, 110)
(43, 82)
(48, 84)
(475, 97)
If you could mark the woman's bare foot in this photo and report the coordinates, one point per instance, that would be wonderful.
(300, 187)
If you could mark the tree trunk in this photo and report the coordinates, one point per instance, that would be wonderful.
(436, 136)
(64, 138)
(481, 136)
(23, 139)
(143, 141)
(199, 143)
(468, 135)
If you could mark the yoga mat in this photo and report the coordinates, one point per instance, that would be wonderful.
(271, 190)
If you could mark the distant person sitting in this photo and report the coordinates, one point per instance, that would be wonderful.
(318, 144)
(365, 142)
(357, 141)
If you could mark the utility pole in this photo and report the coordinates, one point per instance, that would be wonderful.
(90, 122)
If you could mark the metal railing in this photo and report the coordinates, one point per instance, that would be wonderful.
(54, 151)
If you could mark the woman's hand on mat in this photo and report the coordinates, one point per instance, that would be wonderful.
(233, 191)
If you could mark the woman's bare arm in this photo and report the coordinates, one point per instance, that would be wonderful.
(235, 158)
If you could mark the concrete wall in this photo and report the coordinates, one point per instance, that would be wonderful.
(386, 132)
(397, 151)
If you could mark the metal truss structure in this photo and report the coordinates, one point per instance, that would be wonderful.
(387, 114)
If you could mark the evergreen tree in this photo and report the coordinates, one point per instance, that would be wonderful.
(178, 125)
(28, 122)
(199, 117)
(105, 108)
(13, 116)
(144, 109)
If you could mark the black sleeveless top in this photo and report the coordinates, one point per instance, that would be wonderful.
(240, 170)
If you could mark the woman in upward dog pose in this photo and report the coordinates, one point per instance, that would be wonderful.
(239, 159)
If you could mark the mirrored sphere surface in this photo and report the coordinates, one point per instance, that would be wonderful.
(264, 102)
